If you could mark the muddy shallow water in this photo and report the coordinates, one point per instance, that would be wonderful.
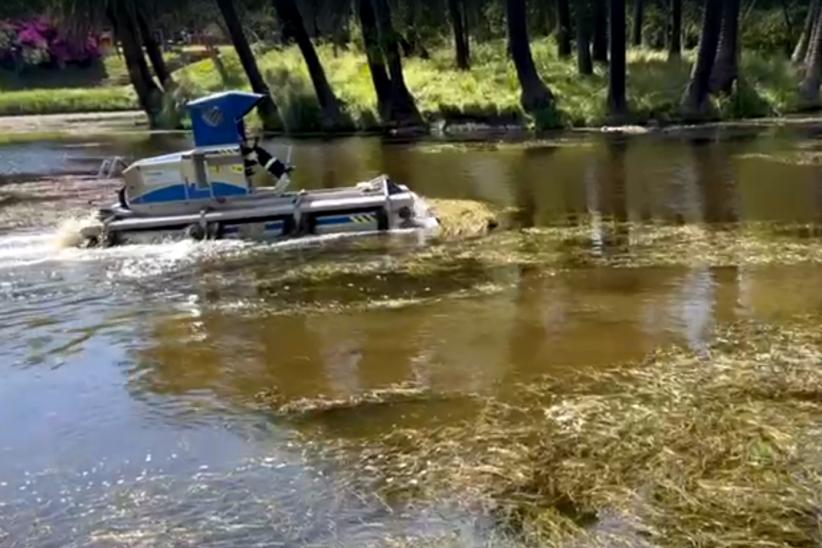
(164, 394)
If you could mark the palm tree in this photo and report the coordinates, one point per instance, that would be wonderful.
(617, 104)
(267, 109)
(332, 116)
(456, 10)
(412, 44)
(696, 94)
(535, 94)
(153, 50)
(801, 50)
(675, 37)
(585, 65)
(564, 31)
(402, 109)
(599, 46)
(373, 53)
(809, 88)
(636, 35)
(726, 65)
(122, 16)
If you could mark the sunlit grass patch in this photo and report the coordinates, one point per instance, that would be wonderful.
(489, 92)
(48, 101)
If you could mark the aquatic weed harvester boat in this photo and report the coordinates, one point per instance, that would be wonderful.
(228, 187)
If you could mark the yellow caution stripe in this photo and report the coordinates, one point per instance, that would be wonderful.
(364, 219)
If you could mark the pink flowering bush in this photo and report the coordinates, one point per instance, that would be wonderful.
(36, 42)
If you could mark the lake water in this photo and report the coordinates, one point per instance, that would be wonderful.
(182, 393)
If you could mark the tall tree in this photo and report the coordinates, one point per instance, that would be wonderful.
(809, 88)
(801, 49)
(154, 51)
(535, 94)
(123, 20)
(564, 30)
(331, 114)
(617, 104)
(696, 94)
(402, 110)
(675, 30)
(599, 46)
(456, 11)
(583, 21)
(726, 65)
(639, 12)
(374, 56)
(412, 43)
(267, 109)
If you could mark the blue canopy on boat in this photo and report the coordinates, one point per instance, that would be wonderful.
(218, 119)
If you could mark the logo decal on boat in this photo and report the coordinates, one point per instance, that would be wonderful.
(213, 116)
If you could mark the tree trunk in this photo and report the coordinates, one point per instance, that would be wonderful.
(214, 54)
(617, 105)
(726, 65)
(267, 109)
(675, 37)
(154, 51)
(809, 88)
(412, 43)
(340, 22)
(547, 18)
(639, 12)
(373, 53)
(813, 36)
(548, 12)
(801, 49)
(331, 114)
(402, 110)
(455, 10)
(584, 63)
(696, 94)
(535, 94)
(148, 93)
(600, 40)
(564, 30)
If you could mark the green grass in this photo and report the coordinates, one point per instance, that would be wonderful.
(489, 92)
(52, 101)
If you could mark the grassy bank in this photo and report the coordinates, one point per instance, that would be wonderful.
(488, 93)
(62, 100)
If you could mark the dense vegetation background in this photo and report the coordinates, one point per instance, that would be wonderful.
(340, 65)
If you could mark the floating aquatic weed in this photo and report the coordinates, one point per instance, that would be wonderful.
(307, 407)
(793, 157)
(625, 244)
(680, 449)
(465, 218)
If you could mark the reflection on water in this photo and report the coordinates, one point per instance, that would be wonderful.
(147, 389)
